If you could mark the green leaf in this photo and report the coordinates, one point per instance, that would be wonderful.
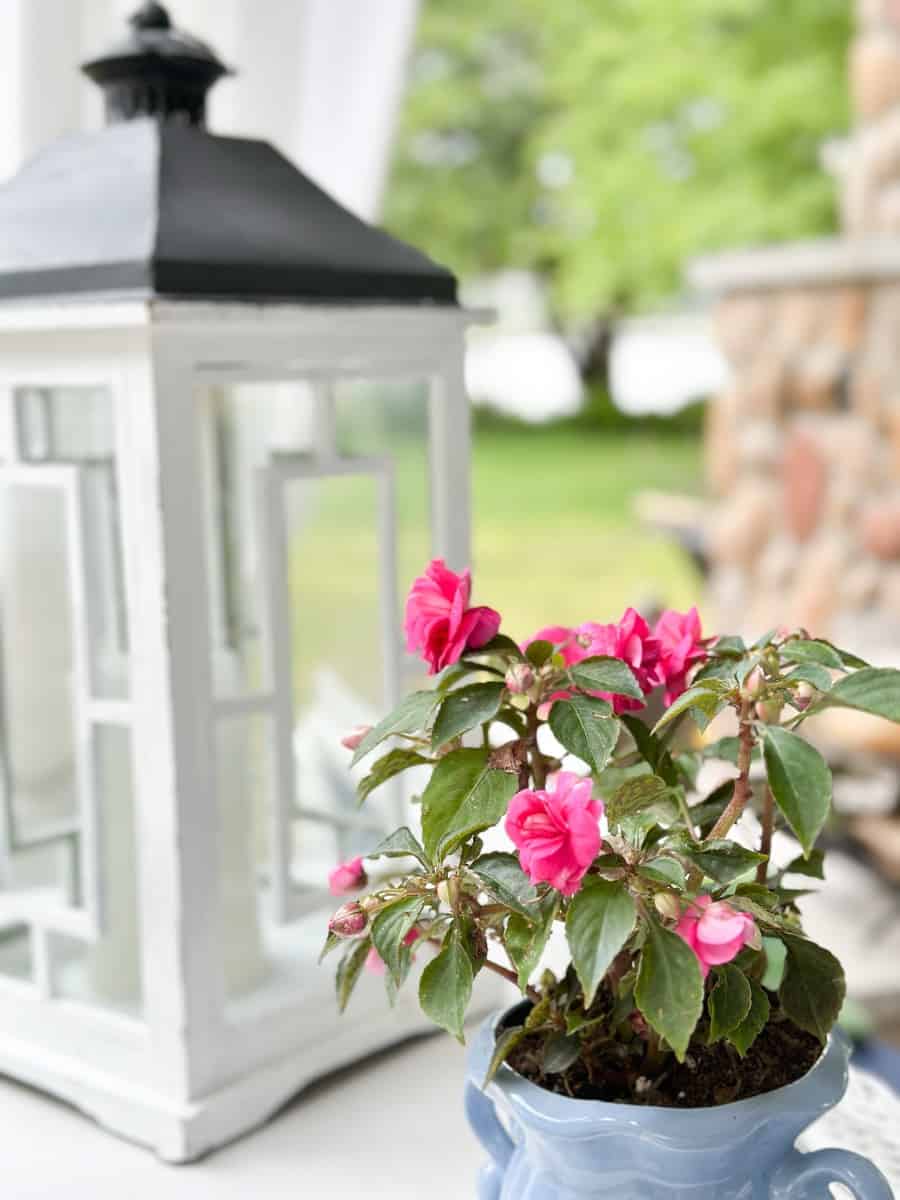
(504, 1046)
(651, 749)
(664, 870)
(800, 781)
(874, 690)
(584, 726)
(744, 1035)
(502, 877)
(765, 916)
(729, 1001)
(701, 698)
(599, 922)
(348, 972)
(813, 989)
(500, 645)
(730, 645)
(391, 926)
(446, 986)
(412, 715)
(705, 814)
(812, 673)
(634, 796)
(776, 956)
(560, 1051)
(605, 674)
(669, 988)
(539, 652)
(813, 866)
(721, 860)
(525, 940)
(387, 767)
(852, 661)
(726, 748)
(332, 941)
(402, 843)
(800, 650)
(464, 710)
(463, 797)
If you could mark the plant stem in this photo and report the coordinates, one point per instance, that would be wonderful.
(741, 795)
(531, 992)
(765, 840)
(538, 763)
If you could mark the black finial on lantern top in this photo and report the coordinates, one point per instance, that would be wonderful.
(150, 16)
(156, 71)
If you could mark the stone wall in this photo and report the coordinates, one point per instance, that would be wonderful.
(803, 456)
(803, 448)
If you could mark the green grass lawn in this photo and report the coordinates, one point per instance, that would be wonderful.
(555, 535)
(556, 540)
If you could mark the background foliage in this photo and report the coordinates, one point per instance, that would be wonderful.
(603, 142)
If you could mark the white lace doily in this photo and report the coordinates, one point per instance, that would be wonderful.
(867, 1121)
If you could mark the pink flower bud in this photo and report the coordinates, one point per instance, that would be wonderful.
(753, 684)
(667, 905)
(349, 921)
(804, 696)
(519, 678)
(352, 739)
(347, 877)
(769, 711)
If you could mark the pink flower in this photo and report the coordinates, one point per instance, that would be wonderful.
(556, 833)
(347, 877)
(352, 739)
(680, 648)
(439, 621)
(374, 961)
(632, 641)
(715, 931)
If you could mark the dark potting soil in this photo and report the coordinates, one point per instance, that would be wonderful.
(710, 1075)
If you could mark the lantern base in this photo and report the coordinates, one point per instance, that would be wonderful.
(181, 1131)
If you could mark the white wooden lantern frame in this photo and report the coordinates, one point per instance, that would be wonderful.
(196, 1069)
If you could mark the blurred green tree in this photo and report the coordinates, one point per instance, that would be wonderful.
(603, 142)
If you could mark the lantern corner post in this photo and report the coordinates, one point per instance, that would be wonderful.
(177, 819)
(451, 454)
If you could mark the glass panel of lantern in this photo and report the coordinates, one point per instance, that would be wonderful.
(318, 518)
(65, 756)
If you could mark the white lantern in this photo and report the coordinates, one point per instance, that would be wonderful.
(232, 428)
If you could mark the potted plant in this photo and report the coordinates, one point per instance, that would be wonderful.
(689, 1040)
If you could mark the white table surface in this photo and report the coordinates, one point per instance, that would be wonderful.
(366, 1134)
(356, 1135)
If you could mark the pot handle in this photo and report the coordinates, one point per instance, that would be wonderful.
(486, 1126)
(807, 1176)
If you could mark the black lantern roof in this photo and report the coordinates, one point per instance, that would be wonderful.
(156, 204)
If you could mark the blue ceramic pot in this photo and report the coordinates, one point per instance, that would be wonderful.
(562, 1149)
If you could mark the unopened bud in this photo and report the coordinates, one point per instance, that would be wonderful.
(443, 891)
(667, 905)
(352, 739)
(804, 695)
(753, 937)
(519, 678)
(769, 711)
(349, 921)
(753, 684)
